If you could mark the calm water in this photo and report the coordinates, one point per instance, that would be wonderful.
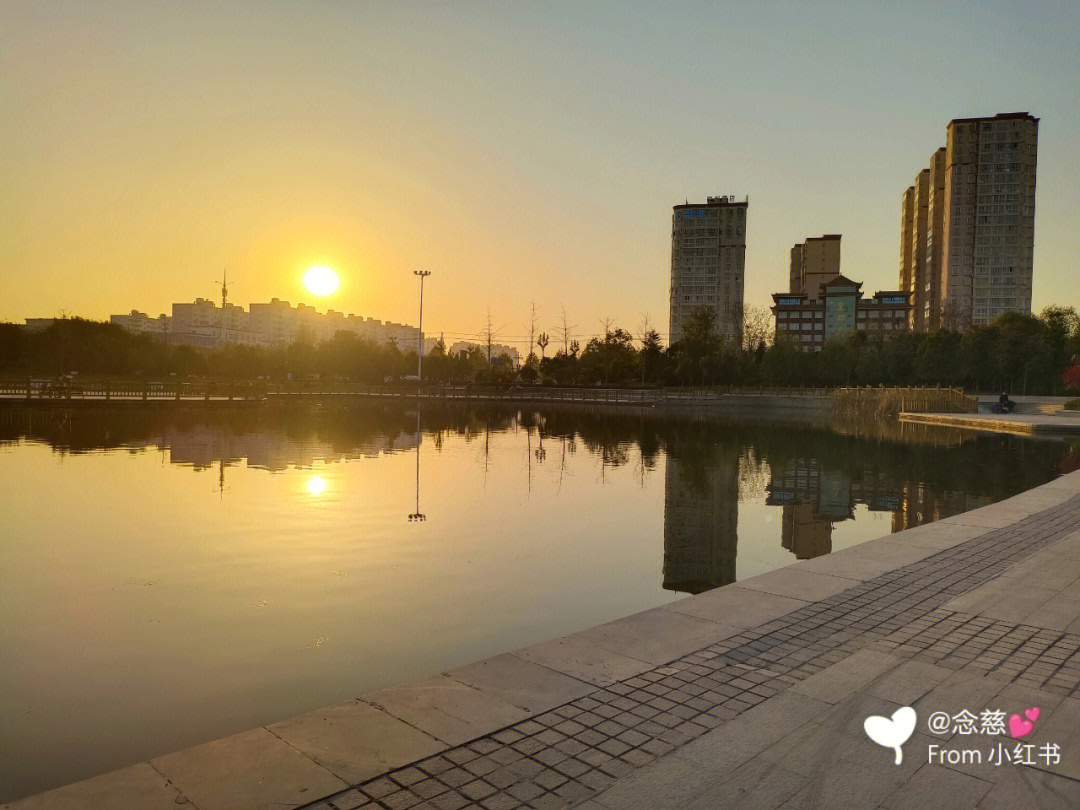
(171, 578)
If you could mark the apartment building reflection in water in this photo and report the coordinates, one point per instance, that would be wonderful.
(814, 498)
(701, 511)
(701, 521)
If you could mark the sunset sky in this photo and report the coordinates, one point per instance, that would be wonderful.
(518, 151)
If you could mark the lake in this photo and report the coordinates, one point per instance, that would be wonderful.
(175, 576)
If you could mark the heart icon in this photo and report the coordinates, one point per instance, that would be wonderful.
(1019, 727)
(894, 732)
(1032, 714)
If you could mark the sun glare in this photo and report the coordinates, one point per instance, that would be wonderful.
(316, 485)
(320, 280)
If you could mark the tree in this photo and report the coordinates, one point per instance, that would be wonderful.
(613, 356)
(565, 330)
(651, 355)
(533, 310)
(1070, 378)
(698, 347)
(757, 327)
(1061, 323)
(542, 342)
(953, 317)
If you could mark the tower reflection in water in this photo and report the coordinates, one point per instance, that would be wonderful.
(701, 520)
(816, 479)
(701, 508)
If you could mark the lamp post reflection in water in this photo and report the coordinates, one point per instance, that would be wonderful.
(417, 515)
(421, 274)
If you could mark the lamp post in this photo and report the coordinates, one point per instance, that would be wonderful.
(421, 274)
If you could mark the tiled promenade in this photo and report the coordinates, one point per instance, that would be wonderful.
(751, 695)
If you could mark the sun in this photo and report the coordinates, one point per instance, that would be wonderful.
(320, 280)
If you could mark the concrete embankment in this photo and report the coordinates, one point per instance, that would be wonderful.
(1026, 424)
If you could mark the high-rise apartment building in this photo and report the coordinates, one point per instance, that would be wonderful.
(814, 262)
(913, 276)
(968, 224)
(929, 305)
(708, 254)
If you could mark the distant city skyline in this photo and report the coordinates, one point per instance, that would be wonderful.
(521, 153)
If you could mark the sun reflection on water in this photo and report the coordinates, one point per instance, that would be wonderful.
(316, 485)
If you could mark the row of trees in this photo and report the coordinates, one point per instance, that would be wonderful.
(1018, 353)
(1023, 354)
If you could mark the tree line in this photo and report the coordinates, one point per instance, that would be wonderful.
(1018, 353)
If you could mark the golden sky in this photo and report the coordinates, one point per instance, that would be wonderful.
(518, 151)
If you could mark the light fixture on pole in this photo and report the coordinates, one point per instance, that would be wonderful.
(422, 274)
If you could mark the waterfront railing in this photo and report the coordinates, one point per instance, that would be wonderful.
(847, 400)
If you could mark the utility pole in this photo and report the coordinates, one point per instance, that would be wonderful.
(488, 336)
(421, 274)
(532, 329)
(224, 305)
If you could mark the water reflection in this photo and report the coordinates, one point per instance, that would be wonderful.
(701, 521)
(816, 478)
(416, 515)
(175, 561)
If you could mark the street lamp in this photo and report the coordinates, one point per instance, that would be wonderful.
(421, 274)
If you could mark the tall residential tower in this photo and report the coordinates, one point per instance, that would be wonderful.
(708, 251)
(814, 262)
(968, 224)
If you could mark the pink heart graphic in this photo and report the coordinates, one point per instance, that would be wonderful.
(1032, 714)
(1019, 727)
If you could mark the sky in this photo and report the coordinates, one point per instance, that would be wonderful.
(521, 152)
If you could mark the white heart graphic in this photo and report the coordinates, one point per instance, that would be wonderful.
(891, 733)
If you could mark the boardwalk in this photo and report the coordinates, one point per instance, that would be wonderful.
(750, 695)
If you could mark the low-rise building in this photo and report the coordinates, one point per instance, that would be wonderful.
(39, 324)
(142, 324)
(840, 307)
(278, 323)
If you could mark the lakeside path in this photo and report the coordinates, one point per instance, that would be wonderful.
(749, 695)
(1026, 424)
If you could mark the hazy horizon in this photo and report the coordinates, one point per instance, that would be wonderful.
(519, 152)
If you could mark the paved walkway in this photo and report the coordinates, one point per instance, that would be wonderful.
(750, 695)
(1028, 424)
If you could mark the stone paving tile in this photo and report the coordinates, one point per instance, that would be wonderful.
(524, 684)
(798, 583)
(585, 661)
(1024, 787)
(936, 788)
(737, 606)
(245, 770)
(446, 709)
(891, 634)
(140, 785)
(355, 741)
